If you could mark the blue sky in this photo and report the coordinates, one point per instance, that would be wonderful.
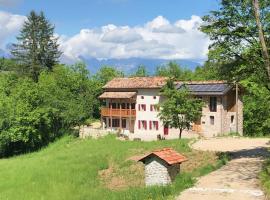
(127, 17)
(69, 16)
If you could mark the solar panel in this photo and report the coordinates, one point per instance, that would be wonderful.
(207, 87)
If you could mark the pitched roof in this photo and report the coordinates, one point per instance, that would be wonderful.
(206, 87)
(169, 155)
(136, 83)
(117, 95)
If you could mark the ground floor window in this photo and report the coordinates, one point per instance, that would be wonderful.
(124, 123)
(116, 123)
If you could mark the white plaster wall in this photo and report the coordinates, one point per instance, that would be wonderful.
(147, 115)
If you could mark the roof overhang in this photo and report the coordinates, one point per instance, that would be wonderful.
(117, 95)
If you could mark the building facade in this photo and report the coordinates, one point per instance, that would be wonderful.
(130, 107)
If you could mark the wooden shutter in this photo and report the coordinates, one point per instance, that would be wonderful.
(150, 125)
(139, 106)
(139, 124)
(157, 125)
(145, 122)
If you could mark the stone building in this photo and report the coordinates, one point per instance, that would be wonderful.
(129, 106)
(162, 166)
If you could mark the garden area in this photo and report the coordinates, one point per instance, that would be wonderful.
(72, 168)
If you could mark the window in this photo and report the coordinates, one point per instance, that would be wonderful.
(154, 107)
(154, 97)
(124, 123)
(142, 97)
(212, 120)
(133, 106)
(153, 125)
(213, 104)
(115, 122)
(142, 124)
(114, 105)
(142, 107)
(232, 119)
(123, 105)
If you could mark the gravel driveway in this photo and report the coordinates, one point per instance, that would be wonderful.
(238, 180)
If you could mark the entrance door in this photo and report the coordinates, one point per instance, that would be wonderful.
(197, 126)
(166, 130)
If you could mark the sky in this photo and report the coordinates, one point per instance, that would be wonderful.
(103, 29)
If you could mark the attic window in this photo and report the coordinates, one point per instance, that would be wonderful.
(154, 97)
(142, 97)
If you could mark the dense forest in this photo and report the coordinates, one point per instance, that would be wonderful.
(42, 99)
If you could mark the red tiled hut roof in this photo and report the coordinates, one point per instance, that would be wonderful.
(136, 83)
(169, 155)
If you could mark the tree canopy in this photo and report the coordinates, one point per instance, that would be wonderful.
(179, 109)
(37, 47)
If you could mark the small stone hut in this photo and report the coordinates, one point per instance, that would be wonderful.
(162, 166)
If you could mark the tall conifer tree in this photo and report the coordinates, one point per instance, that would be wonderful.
(37, 47)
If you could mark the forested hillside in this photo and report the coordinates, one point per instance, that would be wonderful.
(41, 99)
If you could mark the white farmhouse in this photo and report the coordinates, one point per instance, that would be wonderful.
(130, 107)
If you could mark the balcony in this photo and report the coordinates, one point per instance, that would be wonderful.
(107, 112)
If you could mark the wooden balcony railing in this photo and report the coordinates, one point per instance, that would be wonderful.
(117, 112)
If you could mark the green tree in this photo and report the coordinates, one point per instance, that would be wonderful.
(141, 71)
(173, 70)
(235, 48)
(107, 73)
(239, 31)
(179, 109)
(37, 47)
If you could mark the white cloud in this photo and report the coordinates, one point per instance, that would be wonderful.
(158, 38)
(10, 25)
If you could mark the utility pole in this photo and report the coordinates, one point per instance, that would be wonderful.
(236, 105)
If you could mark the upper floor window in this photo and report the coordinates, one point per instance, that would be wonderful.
(213, 104)
(142, 107)
(154, 107)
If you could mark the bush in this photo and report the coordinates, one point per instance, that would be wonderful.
(34, 114)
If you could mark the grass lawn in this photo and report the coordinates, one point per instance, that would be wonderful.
(95, 169)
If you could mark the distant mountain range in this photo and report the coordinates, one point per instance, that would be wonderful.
(129, 65)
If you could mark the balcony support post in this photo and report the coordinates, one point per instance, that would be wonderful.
(110, 102)
(120, 123)
(130, 115)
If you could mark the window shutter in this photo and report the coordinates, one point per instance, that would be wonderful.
(145, 122)
(157, 125)
(150, 125)
(144, 107)
(151, 107)
(139, 124)
(139, 106)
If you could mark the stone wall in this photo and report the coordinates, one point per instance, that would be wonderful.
(158, 172)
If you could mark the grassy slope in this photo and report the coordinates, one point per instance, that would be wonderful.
(68, 169)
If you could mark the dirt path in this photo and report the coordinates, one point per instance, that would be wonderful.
(236, 180)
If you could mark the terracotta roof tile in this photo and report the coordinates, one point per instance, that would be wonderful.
(136, 82)
(169, 155)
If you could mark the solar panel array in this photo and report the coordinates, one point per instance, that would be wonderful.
(207, 87)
